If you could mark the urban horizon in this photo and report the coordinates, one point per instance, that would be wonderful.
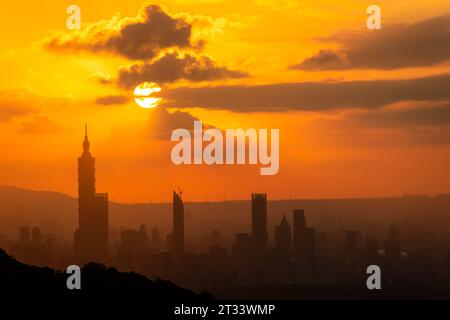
(296, 254)
(252, 151)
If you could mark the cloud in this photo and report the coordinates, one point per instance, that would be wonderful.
(165, 46)
(310, 96)
(162, 122)
(139, 38)
(15, 103)
(174, 66)
(9, 111)
(112, 100)
(41, 125)
(418, 44)
(325, 59)
(423, 115)
(406, 123)
(100, 78)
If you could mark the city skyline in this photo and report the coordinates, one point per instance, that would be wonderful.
(303, 254)
(211, 158)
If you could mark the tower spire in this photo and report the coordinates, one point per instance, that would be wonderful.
(86, 140)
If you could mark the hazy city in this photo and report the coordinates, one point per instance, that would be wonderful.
(407, 237)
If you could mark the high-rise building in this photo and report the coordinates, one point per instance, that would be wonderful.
(178, 223)
(155, 239)
(91, 237)
(310, 244)
(259, 223)
(36, 237)
(351, 243)
(299, 234)
(283, 239)
(393, 247)
(133, 247)
(241, 251)
(24, 236)
(134, 241)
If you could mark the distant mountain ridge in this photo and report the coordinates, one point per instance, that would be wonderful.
(57, 213)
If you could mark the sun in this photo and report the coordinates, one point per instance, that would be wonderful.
(143, 92)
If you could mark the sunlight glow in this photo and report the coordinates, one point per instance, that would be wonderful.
(143, 92)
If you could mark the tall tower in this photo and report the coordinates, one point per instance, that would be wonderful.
(178, 223)
(299, 235)
(283, 239)
(259, 223)
(91, 237)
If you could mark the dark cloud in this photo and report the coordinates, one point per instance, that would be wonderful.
(431, 136)
(8, 111)
(162, 122)
(324, 60)
(434, 115)
(310, 96)
(172, 67)
(100, 78)
(418, 44)
(14, 104)
(162, 42)
(41, 125)
(112, 100)
(137, 38)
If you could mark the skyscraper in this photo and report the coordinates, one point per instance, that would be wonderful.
(259, 223)
(91, 237)
(393, 247)
(24, 236)
(283, 239)
(155, 239)
(178, 223)
(299, 235)
(36, 237)
(310, 244)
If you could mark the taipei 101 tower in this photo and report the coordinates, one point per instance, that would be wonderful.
(91, 237)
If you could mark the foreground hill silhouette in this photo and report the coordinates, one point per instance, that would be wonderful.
(98, 282)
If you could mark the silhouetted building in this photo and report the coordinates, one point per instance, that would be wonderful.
(259, 224)
(371, 253)
(134, 240)
(169, 242)
(241, 255)
(351, 244)
(30, 248)
(353, 250)
(219, 257)
(299, 234)
(178, 223)
(24, 236)
(156, 245)
(283, 239)
(310, 243)
(393, 248)
(216, 238)
(36, 238)
(133, 246)
(91, 237)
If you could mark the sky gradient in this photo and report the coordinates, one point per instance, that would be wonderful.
(361, 113)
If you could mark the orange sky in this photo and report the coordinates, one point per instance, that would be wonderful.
(332, 143)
